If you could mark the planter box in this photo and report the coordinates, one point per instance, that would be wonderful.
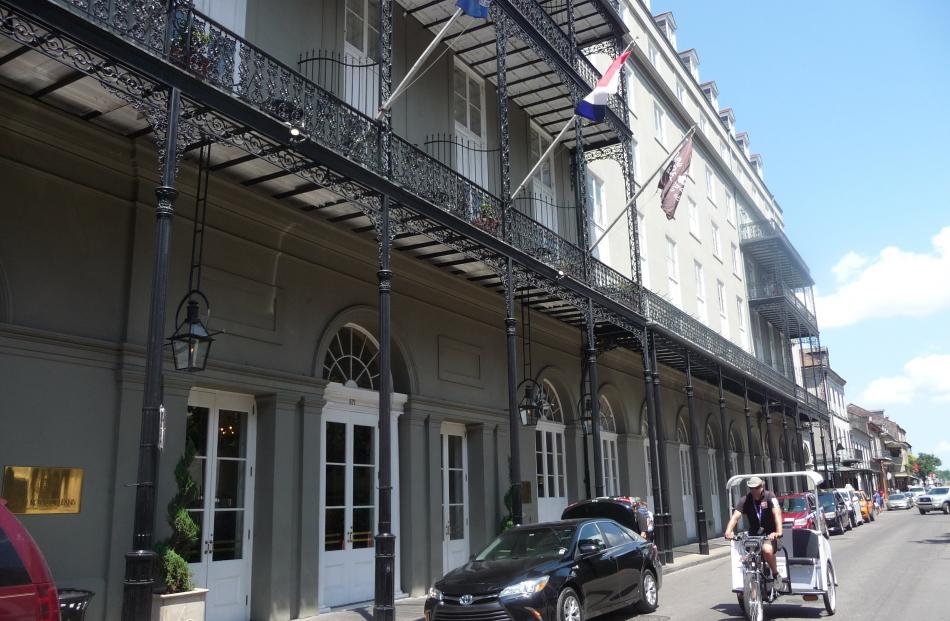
(187, 606)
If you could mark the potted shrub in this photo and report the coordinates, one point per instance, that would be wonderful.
(487, 218)
(193, 52)
(179, 599)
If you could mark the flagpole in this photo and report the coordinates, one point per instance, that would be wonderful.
(544, 156)
(644, 185)
(412, 71)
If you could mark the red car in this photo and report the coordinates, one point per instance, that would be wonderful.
(802, 510)
(27, 592)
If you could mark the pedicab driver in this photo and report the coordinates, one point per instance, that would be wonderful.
(762, 511)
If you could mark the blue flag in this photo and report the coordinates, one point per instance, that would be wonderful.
(474, 8)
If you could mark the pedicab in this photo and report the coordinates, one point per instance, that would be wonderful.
(803, 559)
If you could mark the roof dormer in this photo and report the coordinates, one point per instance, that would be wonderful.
(728, 120)
(743, 139)
(667, 25)
(691, 61)
(756, 160)
(711, 91)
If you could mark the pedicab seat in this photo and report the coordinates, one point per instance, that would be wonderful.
(804, 547)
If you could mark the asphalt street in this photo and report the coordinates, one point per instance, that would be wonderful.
(896, 567)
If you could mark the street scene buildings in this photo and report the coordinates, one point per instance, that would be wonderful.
(220, 262)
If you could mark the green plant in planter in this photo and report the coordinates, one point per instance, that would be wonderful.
(507, 521)
(185, 533)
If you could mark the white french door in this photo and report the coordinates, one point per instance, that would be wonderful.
(611, 464)
(349, 457)
(361, 49)
(551, 468)
(648, 469)
(542, 183)
(221, 427)
(714, 508)
(455, 540)
(689, 505)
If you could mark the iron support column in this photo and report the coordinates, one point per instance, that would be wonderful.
(662, 519)
(511, 324)
(694, 457)
(723, 433)
(598, 452)
(773, 460)
(748, 425)
(140, 560)
(657, 490)
(824, 453)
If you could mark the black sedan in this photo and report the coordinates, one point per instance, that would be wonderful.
(555, 571)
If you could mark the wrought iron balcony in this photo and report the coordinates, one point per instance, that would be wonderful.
(771, 298)
(768, 245)
(248, 83)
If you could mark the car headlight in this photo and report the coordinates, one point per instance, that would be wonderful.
(801, 521)
(525, 587)
(435, 594)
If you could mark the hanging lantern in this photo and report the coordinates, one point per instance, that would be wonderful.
(584, 415)
(191, 342)
(530, 407)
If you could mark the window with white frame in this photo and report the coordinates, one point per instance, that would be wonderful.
(700, 278)
(597, 210)
(736, 262)
(730, 197)
(740, 321)
(733, 209)
(716, 241)
(652, 53)
(702, 123)
(642, 238)
(542, 183)
(672, 272)
(693, 217)
(631, 92)
(680, 91)
(724, 152)
(360, 27)
(635, 156)
(723, 313)
(468, 102)
(710, 184)
(659, 123)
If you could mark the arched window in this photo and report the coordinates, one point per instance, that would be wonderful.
(352, 359)
(607, 421)
(710, 437)
(550, 404)
(550, 458)
(682, 435)
(609, 448)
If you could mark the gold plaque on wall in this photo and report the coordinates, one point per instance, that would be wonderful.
(31, 490)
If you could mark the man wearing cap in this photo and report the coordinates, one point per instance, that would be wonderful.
(762, 512)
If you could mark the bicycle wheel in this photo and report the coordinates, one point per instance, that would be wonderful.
(754, 608)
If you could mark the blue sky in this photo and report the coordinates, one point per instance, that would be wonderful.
(849, 104)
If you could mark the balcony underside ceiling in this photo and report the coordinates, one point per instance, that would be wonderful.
(775, 254)
(533, 83)
(785, 317)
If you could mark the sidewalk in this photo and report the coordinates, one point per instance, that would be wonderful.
(410, 608)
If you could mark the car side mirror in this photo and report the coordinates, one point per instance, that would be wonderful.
(586, 547)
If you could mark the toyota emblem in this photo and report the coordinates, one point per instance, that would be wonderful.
(466, 600)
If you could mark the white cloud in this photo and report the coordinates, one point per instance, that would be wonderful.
(896, 283)
(924, 378)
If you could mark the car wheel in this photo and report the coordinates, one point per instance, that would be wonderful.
(569, 606)
(830, 596)
(946, 508)
(840, 527)
(649, 593)
(849, 524)
(922, 512)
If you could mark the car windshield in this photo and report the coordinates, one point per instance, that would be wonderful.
(827, 501)
(897, 497)
(940, 491)
(795, 504)
(542, 542)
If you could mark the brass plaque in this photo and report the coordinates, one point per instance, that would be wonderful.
(31, 490)
(526, 492)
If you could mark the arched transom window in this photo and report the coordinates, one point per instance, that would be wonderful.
(710, 437)
(607, 421)
(352, 359)
(551, 410)
(682, 436)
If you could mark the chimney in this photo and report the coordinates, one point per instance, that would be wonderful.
(691, 60)
(711, 92)
(728, 120)
(757, 164)
(743, 139)
(668, 25)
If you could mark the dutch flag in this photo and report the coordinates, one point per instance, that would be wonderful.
(594, 106)
(474, 8)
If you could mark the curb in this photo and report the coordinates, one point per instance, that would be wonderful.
(695, 559)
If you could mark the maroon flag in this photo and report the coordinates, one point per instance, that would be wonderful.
(673, 182)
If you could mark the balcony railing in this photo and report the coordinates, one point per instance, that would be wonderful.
(774, 289)
(352, 79)
(219, 58)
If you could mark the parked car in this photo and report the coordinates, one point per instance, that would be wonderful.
(899, 501)
(835, 510)
(937, 499)
(915, 492)
(862, 499)
(801, 510)
(554, 571)
(854, 509)
(27, 591)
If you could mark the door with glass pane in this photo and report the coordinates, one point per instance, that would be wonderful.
(542, 183)
(689, 506)
(611, 465)
(221, 429)
(714, 507)
(454, 497)
(361, 55)
(551, 469)
(349, 506)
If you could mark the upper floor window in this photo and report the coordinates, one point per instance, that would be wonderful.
(544, 177)
(723, 313)
(702, 123)
(736, 262)
(733, 206)
(468, 103)
(680, 91)
(724, 152)
(361, 28)
(672, 271)
(597, 208)
(716, 242)
(652, 53)
(710, 184)
(693, 218)
(658, 122)
(740, 320)
(635, 156)
(700, 278)
(642, 238)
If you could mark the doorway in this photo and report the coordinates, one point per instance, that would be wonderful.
(455, 541)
